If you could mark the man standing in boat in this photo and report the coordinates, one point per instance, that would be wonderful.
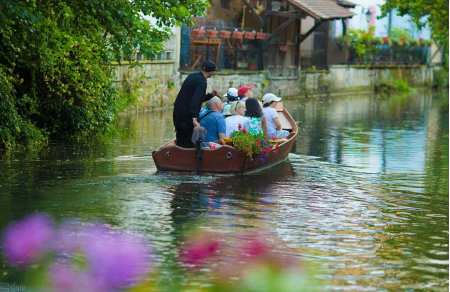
(188, 103)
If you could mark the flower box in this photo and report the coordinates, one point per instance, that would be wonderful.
(250, 35)
(198, 32)
(261, 36)
(212, 33)
(238, 35)
(225, 34)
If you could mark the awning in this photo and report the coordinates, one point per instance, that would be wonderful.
(322, 9)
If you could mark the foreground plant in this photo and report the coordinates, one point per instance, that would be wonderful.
(76, 256)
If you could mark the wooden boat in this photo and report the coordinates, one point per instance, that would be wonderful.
(226, 159)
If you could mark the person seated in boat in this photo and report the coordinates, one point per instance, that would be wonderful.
(274, 127)
(255, 124)
(237, 120)
(244, 92)
(214, 122)
(230, 98)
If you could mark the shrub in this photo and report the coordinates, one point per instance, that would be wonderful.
(55, 57)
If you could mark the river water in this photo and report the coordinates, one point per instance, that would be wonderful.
(364, 193)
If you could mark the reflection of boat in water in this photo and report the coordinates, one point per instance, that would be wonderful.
(226, 159)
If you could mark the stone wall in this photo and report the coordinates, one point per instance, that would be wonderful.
(337, 79)
(340, 79)
(156, 84)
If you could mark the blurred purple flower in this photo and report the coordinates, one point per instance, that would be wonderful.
(68, 237)
(196, 253)
(64, 278)
(116, 260)
(25, 241)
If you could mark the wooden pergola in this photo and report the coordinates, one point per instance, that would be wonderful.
(320, 10)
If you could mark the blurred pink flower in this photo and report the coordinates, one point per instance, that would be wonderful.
(115, 259)
(25, 241)
(255, 247)
(64, 278)
(197, 252)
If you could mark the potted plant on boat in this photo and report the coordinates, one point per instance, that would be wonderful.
(250, 145)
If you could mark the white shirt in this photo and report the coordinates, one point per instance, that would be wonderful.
(232, 124)
(270, 114)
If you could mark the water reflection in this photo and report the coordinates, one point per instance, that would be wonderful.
(365, 193)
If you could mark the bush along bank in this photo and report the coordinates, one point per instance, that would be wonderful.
(56, 78)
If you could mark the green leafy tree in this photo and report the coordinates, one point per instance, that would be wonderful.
(55, 73)
(424, 11)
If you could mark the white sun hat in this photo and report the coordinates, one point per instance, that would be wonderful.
(269, 97)
(232, 92)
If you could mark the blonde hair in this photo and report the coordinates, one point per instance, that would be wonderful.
(236, 106)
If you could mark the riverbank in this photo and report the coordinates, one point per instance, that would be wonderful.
(154, 84)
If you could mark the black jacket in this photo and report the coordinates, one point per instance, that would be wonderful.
(192, 94)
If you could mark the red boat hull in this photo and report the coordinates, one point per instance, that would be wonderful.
(226, 159)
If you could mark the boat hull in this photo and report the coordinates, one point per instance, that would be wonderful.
(225, 160)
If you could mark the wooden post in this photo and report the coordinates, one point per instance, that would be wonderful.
(297, 43)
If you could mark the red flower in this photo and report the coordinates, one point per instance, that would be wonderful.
(198, 252)
(244, 130)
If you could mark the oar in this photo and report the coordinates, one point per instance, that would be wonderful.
(197, 137)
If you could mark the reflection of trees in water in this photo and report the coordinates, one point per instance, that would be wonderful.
(416, 233)
(332, 128)
(193, 200)
(155, 128)
(196, 203)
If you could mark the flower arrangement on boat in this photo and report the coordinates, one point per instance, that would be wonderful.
(250, 144)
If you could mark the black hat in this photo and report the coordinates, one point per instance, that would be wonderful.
(208, 66)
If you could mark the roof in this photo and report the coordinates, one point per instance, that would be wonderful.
(322, 9)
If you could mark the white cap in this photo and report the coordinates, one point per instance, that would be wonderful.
(269, 97)
(232, 92)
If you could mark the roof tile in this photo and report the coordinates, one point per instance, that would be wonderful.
(322, 9)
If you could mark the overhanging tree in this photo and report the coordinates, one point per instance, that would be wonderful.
(55, 77)
(434, 12)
